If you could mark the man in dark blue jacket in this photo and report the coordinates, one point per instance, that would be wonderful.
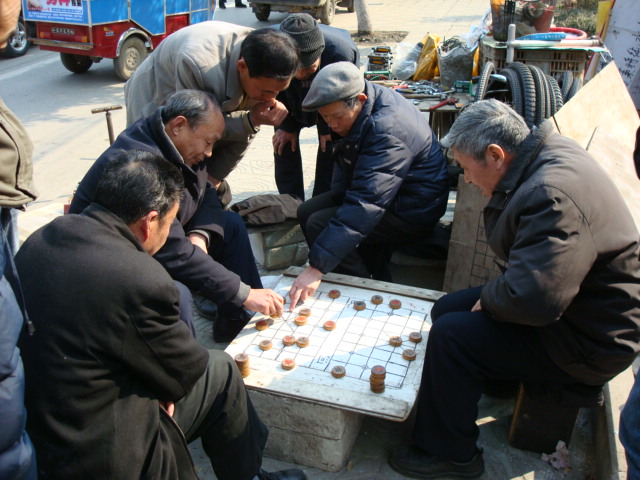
(389, 186)
(320, 45)
(208, 249)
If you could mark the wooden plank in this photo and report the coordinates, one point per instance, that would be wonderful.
(603, 102)
(617, 160)
(376, 285)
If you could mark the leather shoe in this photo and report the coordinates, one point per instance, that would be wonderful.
(291, 474)
(227, 327)
(222, 6)
(240, 5)
(413, 462)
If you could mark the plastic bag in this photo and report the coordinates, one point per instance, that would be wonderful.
(407, 66)
(428, 62)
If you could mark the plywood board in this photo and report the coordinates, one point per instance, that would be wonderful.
(603, 102)
(617, 160)
(359, 341)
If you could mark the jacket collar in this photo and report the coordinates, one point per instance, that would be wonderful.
(110, 221)
(234, 92)
(517, 172)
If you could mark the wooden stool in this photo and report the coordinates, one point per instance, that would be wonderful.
(539, 423)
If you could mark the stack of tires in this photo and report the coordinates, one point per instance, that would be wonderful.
(530, 92)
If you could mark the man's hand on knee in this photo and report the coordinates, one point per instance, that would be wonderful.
(281, 138)
(199, 240)
(265, 301)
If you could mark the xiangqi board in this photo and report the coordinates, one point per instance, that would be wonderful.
(355, 339)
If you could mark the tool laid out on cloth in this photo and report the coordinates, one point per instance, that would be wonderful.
(447, 101)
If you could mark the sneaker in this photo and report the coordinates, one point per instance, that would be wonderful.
(413, 462)
(291, 474)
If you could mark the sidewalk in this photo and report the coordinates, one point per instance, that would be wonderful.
(377, 437)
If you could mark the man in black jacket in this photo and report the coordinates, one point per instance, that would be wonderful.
(389, 186)
(208, 249)
(116, 383)
(320, 45)
(566, 311)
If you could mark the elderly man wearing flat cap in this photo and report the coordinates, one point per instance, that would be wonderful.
(320, 45)
(389, 186)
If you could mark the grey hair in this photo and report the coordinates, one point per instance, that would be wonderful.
(192, 104)
(484, 123)
(350, 102)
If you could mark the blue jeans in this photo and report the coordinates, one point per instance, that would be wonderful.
(630, 431)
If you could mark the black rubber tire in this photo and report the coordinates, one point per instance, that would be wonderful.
(76, 63)
(132, 54)
(327, 12)
(575, 86)
(18, 43)
(515, 86)
(528, 91)
(481, 89)
(262, 12)
(555, 94)
(565, 81)
(542, 94)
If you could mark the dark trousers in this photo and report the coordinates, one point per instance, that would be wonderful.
(218, 411)
(186, 310)
(372, 256)
(464, 349)
(288, 171)
(234, 253)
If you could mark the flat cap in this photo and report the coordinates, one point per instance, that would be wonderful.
(305, 31)
(334, 82)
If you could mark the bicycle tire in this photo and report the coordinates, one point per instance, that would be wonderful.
(515, 87)
(555, 94)
(528, 91)
(481, 89)
(565, 81)
(542, 94)
(575, 86)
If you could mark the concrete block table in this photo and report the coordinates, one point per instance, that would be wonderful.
(314, 417)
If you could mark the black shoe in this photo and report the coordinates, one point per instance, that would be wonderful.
(413, 462)
(291, 474)
(205, 307)
(222, 6)
(227, 327)
(240, 5)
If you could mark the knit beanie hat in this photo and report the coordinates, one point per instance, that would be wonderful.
(306, 33)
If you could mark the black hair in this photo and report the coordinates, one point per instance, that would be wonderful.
(270, 53)
(135, 183)
(192, 104)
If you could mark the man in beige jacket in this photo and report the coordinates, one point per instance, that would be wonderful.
(243, 68)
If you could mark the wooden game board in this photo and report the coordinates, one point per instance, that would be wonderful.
(359, 341)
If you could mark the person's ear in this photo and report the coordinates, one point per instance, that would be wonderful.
(496, 156)
(177, 124)
(242, 66)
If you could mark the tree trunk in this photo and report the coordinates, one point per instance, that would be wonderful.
(364, 21)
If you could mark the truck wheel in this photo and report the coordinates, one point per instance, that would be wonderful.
(327, 12)
(76, 63)
(132, 54)
(17, 44)
(262, 12)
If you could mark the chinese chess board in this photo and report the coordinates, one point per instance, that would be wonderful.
(359, 341)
